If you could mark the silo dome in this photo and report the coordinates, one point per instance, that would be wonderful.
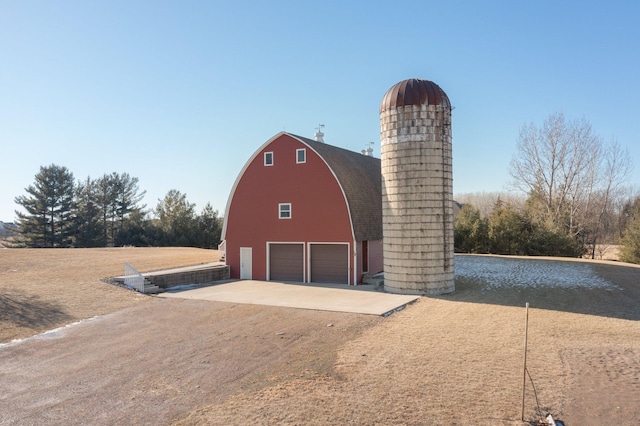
(414, 91)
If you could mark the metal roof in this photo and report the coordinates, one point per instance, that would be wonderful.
(414, 91)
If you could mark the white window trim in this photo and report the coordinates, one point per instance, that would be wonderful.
(304, 151)
(266, 154)
(280, 205)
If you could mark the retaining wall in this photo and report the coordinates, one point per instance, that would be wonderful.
(197, 276)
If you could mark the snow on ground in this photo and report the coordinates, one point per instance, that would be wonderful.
(49, 334)
(499, 272)
(493, 272)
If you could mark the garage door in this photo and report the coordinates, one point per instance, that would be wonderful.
(286, 262)
(330, 263)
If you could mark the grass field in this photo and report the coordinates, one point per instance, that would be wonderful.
(450, 360)
(41, 289)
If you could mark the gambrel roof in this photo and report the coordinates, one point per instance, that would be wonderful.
(360, 179)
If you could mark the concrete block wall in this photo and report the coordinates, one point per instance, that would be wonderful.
(417, 199)
(197, 276)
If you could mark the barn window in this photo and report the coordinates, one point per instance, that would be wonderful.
(268, 158)
(301, 155)
(284, 210)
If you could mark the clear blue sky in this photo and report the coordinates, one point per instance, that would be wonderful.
(180, 94)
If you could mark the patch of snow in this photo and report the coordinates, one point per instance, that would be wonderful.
(498, 272)
(182, 287)
(49, 334)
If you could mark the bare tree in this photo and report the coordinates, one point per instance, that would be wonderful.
(614, 170)
(557, 162)
(569, 172)
(484, 202)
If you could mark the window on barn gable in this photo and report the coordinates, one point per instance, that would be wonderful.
(284, 211)
(301, 155)
(268, 158)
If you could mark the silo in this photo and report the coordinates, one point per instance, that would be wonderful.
(417, 188)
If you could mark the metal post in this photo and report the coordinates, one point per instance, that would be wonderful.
(524, 366)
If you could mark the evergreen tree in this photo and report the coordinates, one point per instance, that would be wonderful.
(104, 201)
(470, 231)
(106, 212)
(545, 237)
(117, 197)
(506, 230)
(209, 228)
(630, 243)
(49, 205)
(88, 225)
(176, 220)
(137, 230)
(127, 196)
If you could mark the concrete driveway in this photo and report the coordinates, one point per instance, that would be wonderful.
(330, 297)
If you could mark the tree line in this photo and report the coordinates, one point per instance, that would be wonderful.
(575, 199)
(107, 212)
(511, 228)
(573, 202)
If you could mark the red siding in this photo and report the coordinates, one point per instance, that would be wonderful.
(318, 207)
(376, 263)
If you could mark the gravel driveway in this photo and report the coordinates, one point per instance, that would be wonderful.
(156, 362)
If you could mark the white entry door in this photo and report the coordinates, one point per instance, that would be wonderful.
(246, 261)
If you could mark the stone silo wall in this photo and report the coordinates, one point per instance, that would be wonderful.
(417, 200)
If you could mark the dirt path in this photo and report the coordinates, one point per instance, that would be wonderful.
(158, 361)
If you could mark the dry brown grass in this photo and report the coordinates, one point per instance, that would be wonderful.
(41, 289)
(457, 360)
(451, 360)
(606, 252)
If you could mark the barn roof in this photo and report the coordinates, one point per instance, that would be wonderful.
(359, 176)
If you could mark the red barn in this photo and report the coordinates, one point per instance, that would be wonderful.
(305, 211)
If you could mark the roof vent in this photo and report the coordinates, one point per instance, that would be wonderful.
(319, 135)
(368, 152)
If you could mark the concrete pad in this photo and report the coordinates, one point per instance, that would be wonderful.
(339, 298)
